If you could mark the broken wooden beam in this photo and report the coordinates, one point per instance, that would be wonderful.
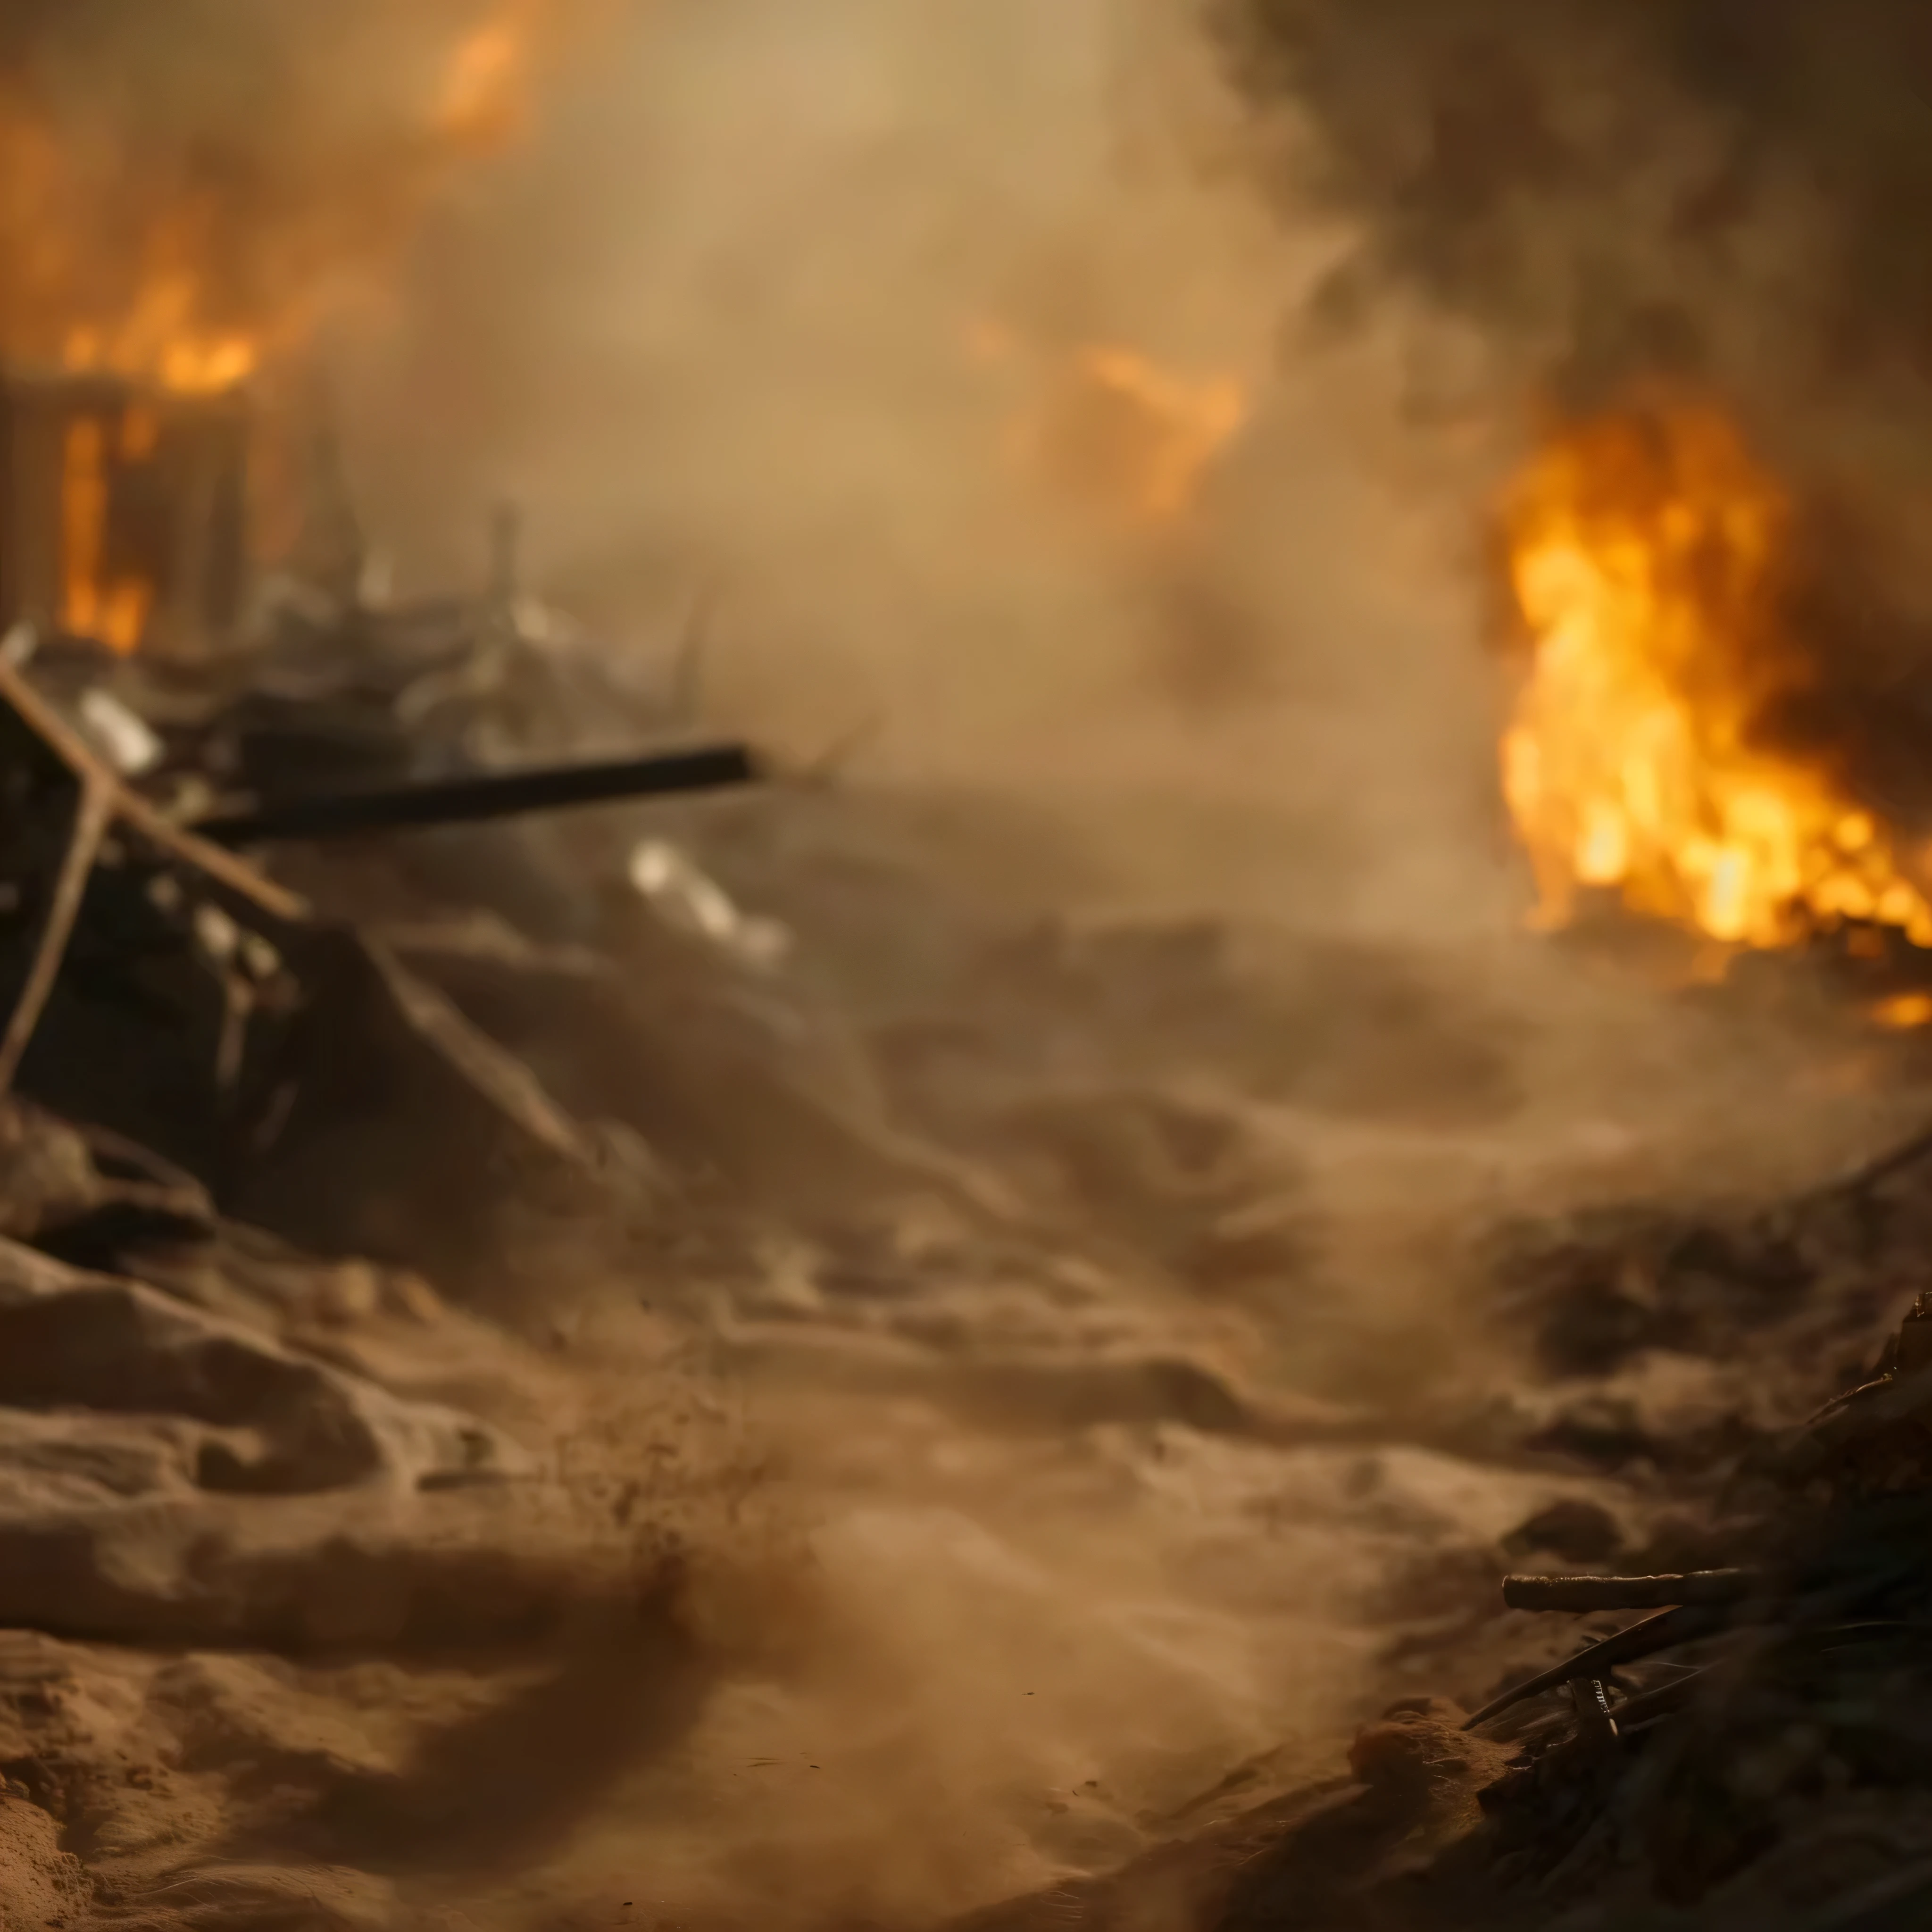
(1686, 1624)
(1584, 1594)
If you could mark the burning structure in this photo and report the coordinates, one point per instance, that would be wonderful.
(183, 208)
(123, 512)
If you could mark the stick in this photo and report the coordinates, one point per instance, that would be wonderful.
(1585, 1594)
(1664, 1631)
(93, 814)
(73, 751)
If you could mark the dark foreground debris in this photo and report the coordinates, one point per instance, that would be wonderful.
(1748, 1748)
(256, 1171)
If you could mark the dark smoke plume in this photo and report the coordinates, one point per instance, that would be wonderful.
(1733, 193)
(1621, 178)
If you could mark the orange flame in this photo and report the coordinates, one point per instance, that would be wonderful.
(98, 601)
(482, 99)
(1903, 1012)
(138, 242)
(158, 343)
(1183, 423)
(1644, 552)
(1115, 430)
(190, 259)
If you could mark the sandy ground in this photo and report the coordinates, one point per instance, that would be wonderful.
(942, 1551)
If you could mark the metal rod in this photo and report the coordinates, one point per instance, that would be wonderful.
(493, 795)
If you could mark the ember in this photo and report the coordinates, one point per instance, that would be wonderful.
(1645, 550)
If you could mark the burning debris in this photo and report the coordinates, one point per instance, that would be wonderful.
(126, 513)
(1646, 553)
(271, 1126)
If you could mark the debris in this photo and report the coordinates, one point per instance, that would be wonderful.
(1666, 1630)
(220, 873)
(689, 899)
(93, 815)
(495, 795)
(123, 738)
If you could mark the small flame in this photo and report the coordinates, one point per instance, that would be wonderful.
(482, 100)
(1117, 431)
(159, 343)
(1185, 423)
(1643, 555)
(1904, 1013)
(98, 601)
(165, 268)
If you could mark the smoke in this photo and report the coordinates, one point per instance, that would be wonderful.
(768, 313)
(1714, 194)
(1700, 184)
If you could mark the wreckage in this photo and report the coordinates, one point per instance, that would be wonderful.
(158, 985)
(229, 1117)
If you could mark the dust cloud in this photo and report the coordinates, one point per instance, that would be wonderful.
(762, 317)
(724, 330)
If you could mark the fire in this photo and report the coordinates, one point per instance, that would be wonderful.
(178, 239)
(1645, 551)
(184, 239)
(1180, 425)
(101, 598)
(157, 343)
(482, 100)
(1115, 429)
(1904, 1013)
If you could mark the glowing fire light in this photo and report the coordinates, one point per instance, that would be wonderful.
(176, 261)
(1643, 555)
(94, 603)
(159, 345)
(1904, 1013)
(1117, 431)
(482, 100)
(1183, 425)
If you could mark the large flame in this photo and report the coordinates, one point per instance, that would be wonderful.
(1645, 550)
